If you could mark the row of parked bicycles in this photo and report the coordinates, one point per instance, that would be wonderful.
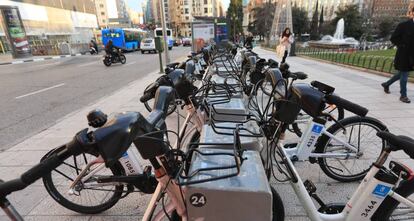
(241, 121)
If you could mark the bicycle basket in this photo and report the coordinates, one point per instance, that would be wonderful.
(227, 163)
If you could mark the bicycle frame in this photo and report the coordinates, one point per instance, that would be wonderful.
(363, 203)
(164, 181)
(308, 140)
(129, 162)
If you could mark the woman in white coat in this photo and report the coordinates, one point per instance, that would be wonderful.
(286, 40)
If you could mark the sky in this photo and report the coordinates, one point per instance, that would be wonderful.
(136, 4)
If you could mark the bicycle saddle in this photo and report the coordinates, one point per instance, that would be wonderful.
(299, 75)
(398, 142)
(173, 65)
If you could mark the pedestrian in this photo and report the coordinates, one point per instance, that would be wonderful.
(286, 40)
(403, 38)
(248, 43)
(95, 45)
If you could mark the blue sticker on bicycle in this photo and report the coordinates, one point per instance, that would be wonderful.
(125, 154)
(317, 128)
(381, 190)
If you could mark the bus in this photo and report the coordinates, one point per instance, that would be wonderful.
(158, 33)
(128, 39)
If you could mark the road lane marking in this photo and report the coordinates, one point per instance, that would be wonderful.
(87, 64)
(40, 91)
(130, 63)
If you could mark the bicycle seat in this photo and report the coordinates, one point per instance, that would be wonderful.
(173, 65)
(324, 88)
(398, 142)
(300, 75)
(272, 63)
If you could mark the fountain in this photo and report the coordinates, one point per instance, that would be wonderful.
(336, 41)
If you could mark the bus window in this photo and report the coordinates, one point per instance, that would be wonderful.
(130, 36)
(159, 32)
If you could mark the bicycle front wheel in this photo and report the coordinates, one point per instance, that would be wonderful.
(87, 200)
(360, 132)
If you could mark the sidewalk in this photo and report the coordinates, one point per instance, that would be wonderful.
(362, 88)
(8, 59)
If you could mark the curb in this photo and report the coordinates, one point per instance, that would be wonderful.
(42, 59)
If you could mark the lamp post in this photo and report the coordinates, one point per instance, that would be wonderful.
(164, 33)
(233, 16)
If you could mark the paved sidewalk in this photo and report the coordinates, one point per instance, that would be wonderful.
(7, 59)
(363, 88)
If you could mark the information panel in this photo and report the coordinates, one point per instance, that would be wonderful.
(15, 31)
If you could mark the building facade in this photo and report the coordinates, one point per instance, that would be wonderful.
(118, 14)
(330, 6)
(387, 8)
(50, 23)
(184, 11)
(101, 13)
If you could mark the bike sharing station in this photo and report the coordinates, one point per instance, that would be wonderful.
(239, 108)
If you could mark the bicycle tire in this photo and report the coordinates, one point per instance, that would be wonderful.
(323, 142)
(387, 207)
(278, 209)
(59, 198)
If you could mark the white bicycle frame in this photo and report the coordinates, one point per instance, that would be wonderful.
(164, 181)
(308, 140)
(129, 162)
(363, 203)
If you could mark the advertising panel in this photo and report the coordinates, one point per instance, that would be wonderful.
(221, 32)
(15, 31)
(203, 33)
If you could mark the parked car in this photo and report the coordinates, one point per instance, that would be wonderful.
(148, 44)
(177, 42)
(186, 42)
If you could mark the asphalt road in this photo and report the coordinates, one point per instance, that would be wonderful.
(33, 96)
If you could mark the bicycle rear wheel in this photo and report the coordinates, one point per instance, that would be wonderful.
(360, 132)
(84, 200)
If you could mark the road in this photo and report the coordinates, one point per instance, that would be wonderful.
(33, 96)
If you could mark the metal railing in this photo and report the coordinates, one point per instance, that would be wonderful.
(350, 57)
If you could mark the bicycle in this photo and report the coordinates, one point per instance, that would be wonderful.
(338, 148)
(92, 173)
(381, 188)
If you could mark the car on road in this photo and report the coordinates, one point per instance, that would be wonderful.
(177, 42)
(148, 44)
(186, 42)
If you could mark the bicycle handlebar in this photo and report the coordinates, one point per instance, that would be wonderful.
(347, 105)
